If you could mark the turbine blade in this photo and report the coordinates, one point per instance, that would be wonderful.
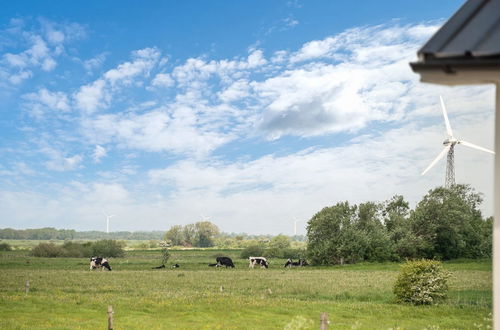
(441, 155)
(468, 144)
(445, 115)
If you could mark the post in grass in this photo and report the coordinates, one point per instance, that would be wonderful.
(324, 321)
(110, 317)
(27, 289)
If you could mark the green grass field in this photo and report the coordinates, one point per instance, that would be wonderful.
(64, 294)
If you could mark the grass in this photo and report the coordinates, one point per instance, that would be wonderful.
(64, 294)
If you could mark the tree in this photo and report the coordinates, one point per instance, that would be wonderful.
(331, 240)
(205, 232)
(449, 224)
(189, 233)
(175, 235)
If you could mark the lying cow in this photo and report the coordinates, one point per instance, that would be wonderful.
(159, 267)
(258, 261)
(98, 262)
(224, 261)
(300, 263)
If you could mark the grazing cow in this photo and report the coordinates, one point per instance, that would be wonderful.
(258, 261)
(159, 267)
(175, 266)
(300, 263)
(98, 262)
(224, 261)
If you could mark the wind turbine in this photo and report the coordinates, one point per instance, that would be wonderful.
(295, 226)
(107, 220)
(449, 147)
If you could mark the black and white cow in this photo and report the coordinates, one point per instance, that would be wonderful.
(258, 261)
(98, 262)
(175, 266)
(224, 261)
(300, 263)
(159, 267)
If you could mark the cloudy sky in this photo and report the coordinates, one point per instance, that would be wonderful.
(252, 114)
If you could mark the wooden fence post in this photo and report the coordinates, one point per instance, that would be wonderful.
(27, 287)
(110, 317)
(324, 321)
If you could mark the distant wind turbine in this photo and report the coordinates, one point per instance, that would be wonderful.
(295, 226)
(107, 220)
(449, 147)
(204, 218)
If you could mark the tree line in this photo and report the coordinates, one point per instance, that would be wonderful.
(69, 234)
(445, 224)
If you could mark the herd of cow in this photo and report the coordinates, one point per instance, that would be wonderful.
(99, 262)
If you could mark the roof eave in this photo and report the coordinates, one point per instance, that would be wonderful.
(458, 71)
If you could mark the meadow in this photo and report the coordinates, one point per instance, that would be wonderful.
(64, 294)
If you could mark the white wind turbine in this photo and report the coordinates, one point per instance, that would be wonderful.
(449, 147)
(295, 226)
(108, 216)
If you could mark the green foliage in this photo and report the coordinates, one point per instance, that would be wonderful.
(252, 251)
(5, 247)
(450, 225)
(107, 248)
(175, 235)
(104, 248)
(200, 234)
(446, 224)
(421, 282)
(47, 250)
(71, 249)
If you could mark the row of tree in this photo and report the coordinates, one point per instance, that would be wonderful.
(69, 234)
(445, 224)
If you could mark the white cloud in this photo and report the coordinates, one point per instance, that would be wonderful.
(39, 47)
(95, 62)
(44, 100)
(93, 96)
(144, 60)
(99, 153)
(98, 94)
(163, 80)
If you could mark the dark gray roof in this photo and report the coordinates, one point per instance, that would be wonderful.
(471, 37)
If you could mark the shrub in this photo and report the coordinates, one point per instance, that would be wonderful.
(421, 282)
(5, 247)
(107, 248)
(76, 250)
(252, 251)
(47, 250)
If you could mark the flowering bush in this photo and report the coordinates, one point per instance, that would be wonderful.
(421, 282)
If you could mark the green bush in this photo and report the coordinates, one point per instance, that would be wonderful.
(76, 250)
(421, 282)
(252, 251)
(47, 250)
(5, 247)
(108, 248)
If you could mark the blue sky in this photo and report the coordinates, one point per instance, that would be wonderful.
(250, 114)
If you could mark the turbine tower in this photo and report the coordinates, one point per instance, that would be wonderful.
(107, 220)
(295, 226)
(449, 147)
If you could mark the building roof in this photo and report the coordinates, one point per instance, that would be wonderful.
(469, 39)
